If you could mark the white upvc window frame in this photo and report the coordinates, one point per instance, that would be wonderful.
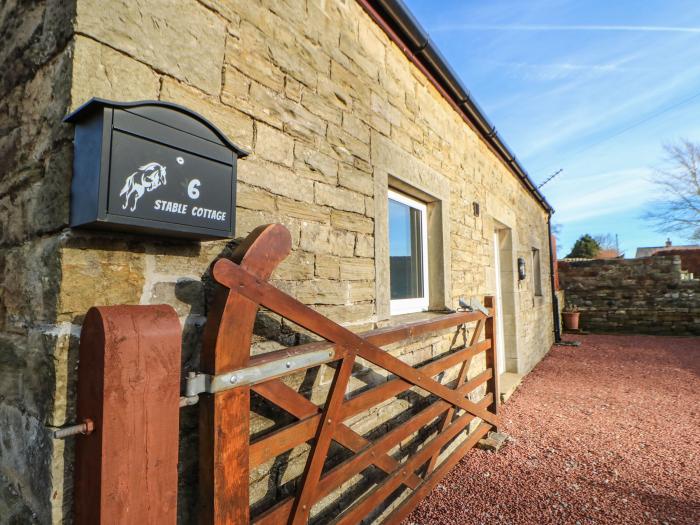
(418, 304)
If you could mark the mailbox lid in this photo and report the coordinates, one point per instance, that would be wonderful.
(166, 113)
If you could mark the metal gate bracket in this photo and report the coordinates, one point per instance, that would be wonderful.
(199, 383)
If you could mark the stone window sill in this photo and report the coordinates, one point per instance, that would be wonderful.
(401, 319)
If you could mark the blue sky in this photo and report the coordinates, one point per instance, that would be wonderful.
(563, 80)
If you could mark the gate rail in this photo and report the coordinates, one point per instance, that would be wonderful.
(226, 453)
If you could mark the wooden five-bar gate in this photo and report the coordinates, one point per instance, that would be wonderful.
(229, 373)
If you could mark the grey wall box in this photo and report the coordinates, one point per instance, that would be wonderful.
(152, 167)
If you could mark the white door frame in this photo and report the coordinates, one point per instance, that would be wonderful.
(500, 335)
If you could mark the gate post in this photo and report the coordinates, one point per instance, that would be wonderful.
(129, 386)
(490, 331)
(224, 417)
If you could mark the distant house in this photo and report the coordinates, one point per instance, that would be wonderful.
(653, 250)
(689, 254)
(610, 253)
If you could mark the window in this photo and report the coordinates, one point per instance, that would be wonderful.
(536, 272)
(408, 254)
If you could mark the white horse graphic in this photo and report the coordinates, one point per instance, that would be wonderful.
(147, 178)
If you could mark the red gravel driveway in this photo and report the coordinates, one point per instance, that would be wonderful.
(608, 432)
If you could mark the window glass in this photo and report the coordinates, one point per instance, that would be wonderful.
(405, 251)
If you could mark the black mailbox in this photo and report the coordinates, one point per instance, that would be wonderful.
(152, 167)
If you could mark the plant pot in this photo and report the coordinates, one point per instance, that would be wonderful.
(571, 320)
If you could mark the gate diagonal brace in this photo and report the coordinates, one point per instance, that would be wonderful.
(199, 383)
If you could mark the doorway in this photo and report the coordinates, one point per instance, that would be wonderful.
(500, 342)
(505, 294)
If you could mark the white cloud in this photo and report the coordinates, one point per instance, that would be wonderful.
(586, 197)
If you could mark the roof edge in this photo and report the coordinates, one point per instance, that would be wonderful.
(402, 27)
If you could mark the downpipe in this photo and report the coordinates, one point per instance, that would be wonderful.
(555, 299)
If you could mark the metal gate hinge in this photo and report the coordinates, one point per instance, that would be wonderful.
(200, 383)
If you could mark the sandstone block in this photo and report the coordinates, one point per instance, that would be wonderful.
(273, 145)
(254, 198)
(315, 238)
(303, 210)
(136, 28)
(271, 107)
(364, 246)
(327, 266)
(351, 222)
(100, 71)
(316, 165)
(347, 82)
(319, 291)
(338, 198)
(293, 89)
(372, 39)
(361, 291)
(341, 242)
(348, 314)
(276, 179)
(329, 103)
(369, 207)
(249, 54)
(356, 180)
(355, 127)
(294, 58)
(386, 110)
(236, 89)
(98, 270)
(298, 266)
(356, 269)
(346, 146)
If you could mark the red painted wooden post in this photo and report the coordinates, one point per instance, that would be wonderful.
(224, 423)
(491, 356)
(129, 385)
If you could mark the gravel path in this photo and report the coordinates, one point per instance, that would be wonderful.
(608, 432)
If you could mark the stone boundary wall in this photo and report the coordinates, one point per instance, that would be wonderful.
(648, 296)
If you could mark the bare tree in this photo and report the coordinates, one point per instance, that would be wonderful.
(606, 241)
(678, 208)
(609, 248)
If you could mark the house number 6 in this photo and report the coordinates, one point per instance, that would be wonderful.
(193, 189)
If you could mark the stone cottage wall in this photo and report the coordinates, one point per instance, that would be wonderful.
(328, 106)
(35, 169)
(648, 295)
